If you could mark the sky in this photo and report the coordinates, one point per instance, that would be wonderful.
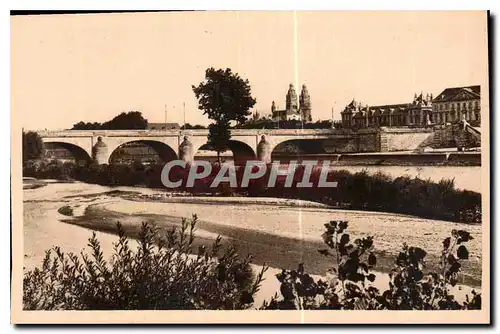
(71, 68)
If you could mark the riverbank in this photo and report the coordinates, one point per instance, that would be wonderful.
(361, 190)
(435, 158)
(274, 231)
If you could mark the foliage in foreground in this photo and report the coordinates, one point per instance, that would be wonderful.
(159, 274)
(351, 286)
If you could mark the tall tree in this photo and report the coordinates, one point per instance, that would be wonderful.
(224, 97)
(32, 146)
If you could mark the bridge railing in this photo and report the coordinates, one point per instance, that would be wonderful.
(177, 132)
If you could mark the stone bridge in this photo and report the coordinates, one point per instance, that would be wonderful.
(99, 145)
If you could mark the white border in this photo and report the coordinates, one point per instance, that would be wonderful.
(186, 4)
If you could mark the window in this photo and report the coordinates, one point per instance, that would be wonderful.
(476, 104)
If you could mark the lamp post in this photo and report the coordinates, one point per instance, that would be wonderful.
(165, 117)
(184, 111)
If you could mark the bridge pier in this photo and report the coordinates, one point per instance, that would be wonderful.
(264, 150)
(186, 152)
(100, 153)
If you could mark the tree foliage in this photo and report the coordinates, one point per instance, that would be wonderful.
(160, 274)
(132, 120)
(350, 285)
(33, 147)
(192, 127)
(87, 126)
(223, 97)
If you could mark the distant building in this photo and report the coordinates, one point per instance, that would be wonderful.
(293, 110)
(455, 103)
(417, 112)
(163, 126)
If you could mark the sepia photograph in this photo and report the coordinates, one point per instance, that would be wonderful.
(250, 167)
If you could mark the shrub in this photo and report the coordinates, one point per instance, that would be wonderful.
(66, 210)
(161, 275)
(351, 285)
(158, 275)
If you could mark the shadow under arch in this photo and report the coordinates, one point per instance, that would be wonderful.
(53, 150)
(143, 150)
(241, 152)
(298, 148)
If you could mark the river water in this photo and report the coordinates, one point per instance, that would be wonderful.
(466, 177)
(278, 232)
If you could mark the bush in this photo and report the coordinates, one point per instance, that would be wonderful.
(158, 275)
(161, 275)
(351, 286)
(66, 210)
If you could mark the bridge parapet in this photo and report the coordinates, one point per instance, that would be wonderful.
(195, 132)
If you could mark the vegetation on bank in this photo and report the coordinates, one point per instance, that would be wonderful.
(356, 191)
(158, 274)
(33, 147)
(161, 274)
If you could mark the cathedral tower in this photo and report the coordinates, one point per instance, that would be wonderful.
(305, 104)
(291, 100)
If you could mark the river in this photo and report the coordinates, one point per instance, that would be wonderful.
(466, 177)
(278, 232)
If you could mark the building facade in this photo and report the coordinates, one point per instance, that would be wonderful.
(415, 113)
(451, 105)
(457, 103)
(295, 109)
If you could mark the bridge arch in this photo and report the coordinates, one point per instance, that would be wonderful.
(241, 152)
(145, 150)
(78, 153)
(297, 148)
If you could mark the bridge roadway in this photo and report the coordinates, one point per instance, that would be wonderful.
(170, 144)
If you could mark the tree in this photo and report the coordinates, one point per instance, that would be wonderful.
(192, 127)
(132, 120)
(224, 97)
(87, 126)
(32, 146)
